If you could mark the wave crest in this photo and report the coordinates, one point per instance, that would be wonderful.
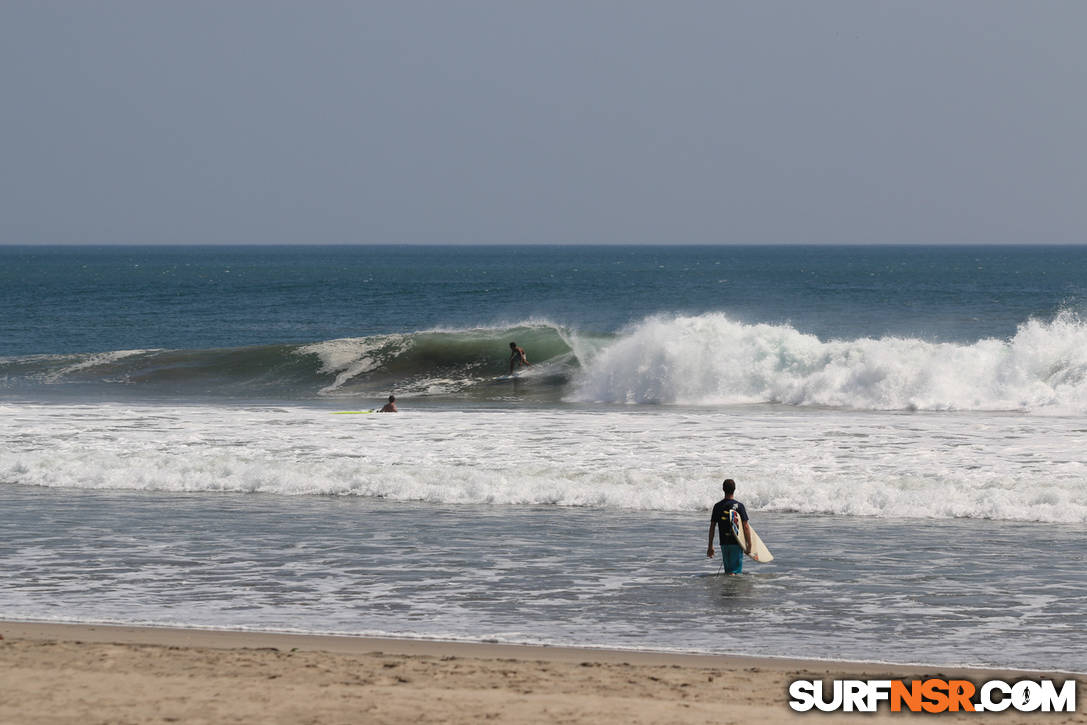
(712, 360)
(702, 360)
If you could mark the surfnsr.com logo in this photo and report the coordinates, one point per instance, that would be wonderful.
(933, 695)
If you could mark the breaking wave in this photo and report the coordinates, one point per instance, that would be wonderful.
(699, 360)
(712, 360)
(433, 363)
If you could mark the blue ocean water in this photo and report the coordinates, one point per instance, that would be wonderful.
(906, 424)
(75, 299)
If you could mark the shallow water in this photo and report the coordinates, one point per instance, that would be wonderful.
(943, 592)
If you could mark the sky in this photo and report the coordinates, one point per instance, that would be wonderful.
(557, 121)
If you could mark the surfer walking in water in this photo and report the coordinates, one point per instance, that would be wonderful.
(517, 357)
(731, 551)
(390, 407)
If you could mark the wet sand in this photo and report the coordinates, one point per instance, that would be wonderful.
(60, 673)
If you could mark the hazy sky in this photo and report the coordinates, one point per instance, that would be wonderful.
(554, 121)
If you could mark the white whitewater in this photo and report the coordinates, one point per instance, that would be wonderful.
(939, 465)
(713, 360)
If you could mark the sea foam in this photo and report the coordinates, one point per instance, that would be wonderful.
(713, 360)
(929, 465)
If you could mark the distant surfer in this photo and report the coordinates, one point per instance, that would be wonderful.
(517, 357)
(731, 551)
(390, 407)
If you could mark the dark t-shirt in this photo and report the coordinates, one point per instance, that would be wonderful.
(724, 526)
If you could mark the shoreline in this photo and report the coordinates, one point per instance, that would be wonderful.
(62, 673)
(348, 644)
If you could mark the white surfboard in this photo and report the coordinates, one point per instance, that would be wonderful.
(758, 552)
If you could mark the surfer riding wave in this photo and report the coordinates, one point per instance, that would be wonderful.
(518, 357)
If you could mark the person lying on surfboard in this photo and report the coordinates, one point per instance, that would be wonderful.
(517, 357)
(390, 407)
(731, 551)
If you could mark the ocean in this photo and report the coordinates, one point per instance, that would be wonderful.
(906, 426)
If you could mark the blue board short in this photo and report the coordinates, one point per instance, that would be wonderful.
(733, 557)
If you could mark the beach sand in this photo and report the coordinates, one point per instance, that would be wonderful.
(59, 673)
